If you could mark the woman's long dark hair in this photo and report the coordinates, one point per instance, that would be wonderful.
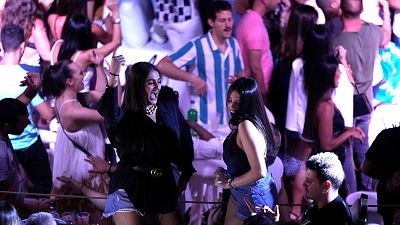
(317, 46)
(135, 94)
(302, 19)
(77, 35)
(68, 7)
(135, 101)
(320, 88)
(251, 107)
(54, 78)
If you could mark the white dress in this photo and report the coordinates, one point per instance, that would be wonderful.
(297, 99)
(69, 160)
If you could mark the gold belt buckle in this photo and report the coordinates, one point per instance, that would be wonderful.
(157, 172)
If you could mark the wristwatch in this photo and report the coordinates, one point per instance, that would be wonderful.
(116, 20)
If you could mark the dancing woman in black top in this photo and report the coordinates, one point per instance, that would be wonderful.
(150, 134)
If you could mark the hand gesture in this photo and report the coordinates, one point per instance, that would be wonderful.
(32, 80)
(96, 58)
(357, 133)
(384, 5)
(112, 5)
(116, 63)
(222, 178)
(274, 214)
(199, 85)
(341, 54)
(99, 164)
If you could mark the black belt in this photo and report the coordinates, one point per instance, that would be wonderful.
(155, 172)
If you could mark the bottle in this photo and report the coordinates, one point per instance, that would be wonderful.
(192, 113)
(52, 209)
(192, 116)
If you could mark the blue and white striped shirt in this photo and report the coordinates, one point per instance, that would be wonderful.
(214, 67)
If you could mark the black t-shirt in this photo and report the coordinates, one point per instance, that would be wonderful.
(333, 213)
(384, 154)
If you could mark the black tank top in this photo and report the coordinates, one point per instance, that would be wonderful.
(234, 157)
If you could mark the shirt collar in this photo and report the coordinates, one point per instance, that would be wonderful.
(214, 46)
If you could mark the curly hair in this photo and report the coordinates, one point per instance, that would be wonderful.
(328, 167)
(22, 13)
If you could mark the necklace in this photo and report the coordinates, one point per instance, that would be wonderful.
(151, 109)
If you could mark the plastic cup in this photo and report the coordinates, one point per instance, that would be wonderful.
(82, 218)
(69, 217)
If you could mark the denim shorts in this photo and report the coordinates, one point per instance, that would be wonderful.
(118, 201)
(292, 165)
(260, 193)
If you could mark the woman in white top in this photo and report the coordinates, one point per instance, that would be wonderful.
(79, 125)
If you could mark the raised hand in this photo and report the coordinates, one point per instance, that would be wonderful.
(112, 5)
(32, 80)
(96, 58)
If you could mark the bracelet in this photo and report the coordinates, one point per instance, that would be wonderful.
(113, 74)
(230, 180)
(82, 186)
(116, 20)
(232, 184)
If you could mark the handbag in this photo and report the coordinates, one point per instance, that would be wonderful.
(361, 104)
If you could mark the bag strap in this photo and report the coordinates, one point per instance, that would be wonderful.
(76, 145)
(52, 59)
(355, 86)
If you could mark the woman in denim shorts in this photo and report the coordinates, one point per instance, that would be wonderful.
(244, 152)
(150, 134)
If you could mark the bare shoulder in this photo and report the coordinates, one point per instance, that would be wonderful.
(247, 129)
(69, 109)
(38, 24)
(246, 125)
(326, 106)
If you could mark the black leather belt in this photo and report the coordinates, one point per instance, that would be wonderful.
(155, 172)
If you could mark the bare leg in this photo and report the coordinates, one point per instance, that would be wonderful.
(171, 218)
(297, 194)
(284, 210)
(230, 218)
(123, 218)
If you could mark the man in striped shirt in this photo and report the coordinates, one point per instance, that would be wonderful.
(207, 64)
